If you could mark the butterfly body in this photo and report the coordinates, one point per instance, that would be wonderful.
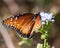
(25, 24)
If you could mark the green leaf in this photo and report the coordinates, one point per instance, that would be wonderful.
(39, 45)
(43, 36)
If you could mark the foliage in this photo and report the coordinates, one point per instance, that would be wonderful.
(45, 30)
(26, 41)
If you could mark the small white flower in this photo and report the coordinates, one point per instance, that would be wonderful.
(46, 16)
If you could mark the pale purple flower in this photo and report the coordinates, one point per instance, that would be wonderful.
(46, 16)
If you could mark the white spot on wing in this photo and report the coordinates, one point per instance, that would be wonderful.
(16, 18)
(11, 25)
(11, 19)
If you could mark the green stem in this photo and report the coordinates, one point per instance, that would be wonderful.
(45, 43)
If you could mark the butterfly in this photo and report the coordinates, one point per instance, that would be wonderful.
(25, 25)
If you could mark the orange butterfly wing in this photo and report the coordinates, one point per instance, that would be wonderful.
(37, 24)
(24, 24)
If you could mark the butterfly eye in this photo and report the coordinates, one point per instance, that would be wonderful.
(24, 24)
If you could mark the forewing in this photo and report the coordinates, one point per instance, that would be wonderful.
(37, 24)
(23, 24)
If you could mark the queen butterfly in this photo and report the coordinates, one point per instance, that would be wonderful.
(25, 24)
